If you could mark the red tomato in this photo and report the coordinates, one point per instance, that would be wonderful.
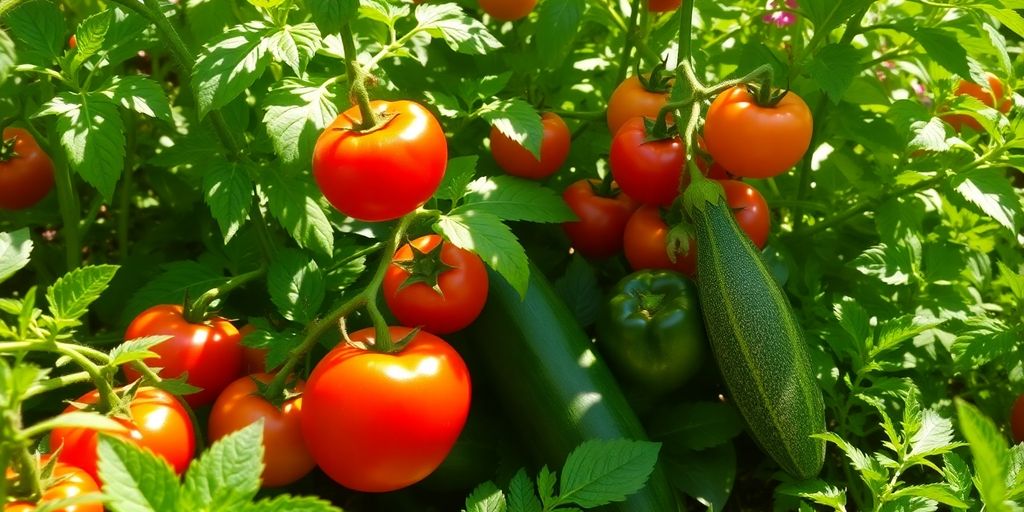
(988, 95)
(750, 210)
(72, 42)
(1017, 420)
(254, 359)
(648, 170)
(211, 352)
(461, 293)
(646, 243)
(507, 10)
(386, 173)
(285, 456)
(379, 422)
(663, 5)
(72, 482)
(754, 141)
(518, 161)
(631, 99)
(602, 220)
(158, 422)
(26, 173)
(715, 170)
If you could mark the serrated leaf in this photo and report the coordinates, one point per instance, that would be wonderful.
(294, 45)
(178, 279)
(935, 492)
(462, 33)
(558, 23)
(991, 455)
(90, 36)
(598, 472)
(892, 265)
(15, 252)
(993, 195)
(139, 94)
(522, 495)
(136, 480)
(485, 235)
(229, 65)
(579, 289)
(8, 55)
(817, 491)
(510, 198)
(982, 341)
(39, 29)
(518, 121)
(486, 497)
(546, 480)
(707, 476)
(896, 331)
(296, 286)
(958, 475)
(695, 425)
(330, 15)
(457, 176)
(1008, 17)
(933, 437)
(942, 47)
(228, 473)
(135, 349)
(287, 503)
(929, 136)
(296, 113)
(228, 191)
(834, 67)
(88, 421)
(92, 135)
(71, 295)
(177, 386)
(292, 203)
(853, 319)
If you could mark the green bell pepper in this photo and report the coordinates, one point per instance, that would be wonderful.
(652, 332)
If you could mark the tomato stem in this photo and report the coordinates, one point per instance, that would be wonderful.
(107, 399)
(357, 79)
(628, 44)
(198, 310)
(28, 487)
(56, 383)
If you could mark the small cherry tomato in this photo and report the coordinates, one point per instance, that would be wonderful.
(158, 422)
(507, 10)
(631, 99)
(285, 456)
(750, 210)
(753, 141)
(211, 352)
(602, 218)
(72, 42)
(646, 243)
(648, 170)
(70, 482)
(988, 95)
(1017, 420)
(440, 291)
(663, 5)
(26, 172)
(518, 161)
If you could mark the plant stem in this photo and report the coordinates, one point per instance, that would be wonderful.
(28, 471)
(627, 45)
(805, 167)
(357, 79)
(56, 383)
(197, 311)
(125, 199)
(106, 391)
(685, 48)
(69, 211)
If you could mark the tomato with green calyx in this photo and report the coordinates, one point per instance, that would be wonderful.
(26, 172)
(435, 285)
(663, 5)
(602, 217)
(378, 422)
(636, 98)
(994, 93)
(65, 482)
(647, 169)
(211, 351)
(646, 243)
(757, 140)
(507, 10)
(518, 161)
(385, 172)
(157, 421)
(652, 331)
(750, 210)
(285, 456)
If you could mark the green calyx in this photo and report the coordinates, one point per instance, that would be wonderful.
(424, 267)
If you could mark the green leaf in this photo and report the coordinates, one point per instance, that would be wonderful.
(1012, 279)
(982, 341)
(958, 475)
(834, 67)
(486, 498)
(135, 349)
(296, 112)
(522, 495)
(92, 134)
(139, 94)
(71, 295)
(518, 121)
(896, 331)
(88, 421)
(292, 203)
(991, 455)
(229, 65)
(330, 15)
(457, 176)
(993, 195)
(90, 36)
(707, 476)
(178, 280)
(1008, 17)
(15, 252)
(929, 136)
(511, 198)
(579, 288)
(941, 493)
(294, 45)
(227, 189)
(817, 491)
(228, 473)
(296, 286)
(944, 48)
(695, 425)
(828, 14)
(558, 24)
(485, 235)
(287, 503)
(546, 480)
(462, 33)
(8, 55)
(892, 265)
(38, 28)
(933, 437)
(279, 345)
(136, 480)
(598, 472)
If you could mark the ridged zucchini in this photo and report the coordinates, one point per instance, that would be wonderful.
(551, 382)
(756, 338)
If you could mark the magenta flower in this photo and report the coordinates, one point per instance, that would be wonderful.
(781, 16)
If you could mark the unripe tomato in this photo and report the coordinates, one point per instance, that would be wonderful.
(988, 95)
(71, 482)
(602, 220)
(648, 170)
(518, 161)
(646, 243)
(507, 10)
(26, 172)
(631, 99)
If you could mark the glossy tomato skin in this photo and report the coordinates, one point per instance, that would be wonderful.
(631, 99)
(379, 422)
(663, 5)
(508, 10)
(752, 141)
(211, 352)
(285, 456)
(73, 482)
(602, 220)
(750, 209)
(1017, 420)
(518, 161)
(463, 289)
(159, 423)
(989, 96)
(646, 243)
(28, 177)
(648, 170)
(386, 173)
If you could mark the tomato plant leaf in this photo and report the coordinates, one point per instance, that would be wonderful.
(90, 37)
(228, 191)
(486, 497)
(579, 288)
(982, 341)
(933, 437)
(176, 281)
(8, 55)
(15, 252)
(229, 65)
(127, 35)
(87, 420)
(990, 453)
(296, 286)
(291, 202)
(893, 332)
(294, 45)
(329, 15)
(462, 33)
(457, 177)
(485, 235)
(941, 493)
(296, 113)
(141, 95)
(826, 15)
(834, 67)
(546, 480)
(39, 29)
(943, 47)
(136, 480)
(929, 136)
(522, 495)
(135, 350)
(518, 121)
(604, 471)
(511, 198)
(228, 473)
(958, 475)
(992, 194)
(817, 491)
(1008, 17)
(707, 475)
(695, 425)
(70, 296)
(558, 23)
(892, 265)
(383, 11)
(290, 504)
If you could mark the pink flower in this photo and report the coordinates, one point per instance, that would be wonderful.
(781, 16)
